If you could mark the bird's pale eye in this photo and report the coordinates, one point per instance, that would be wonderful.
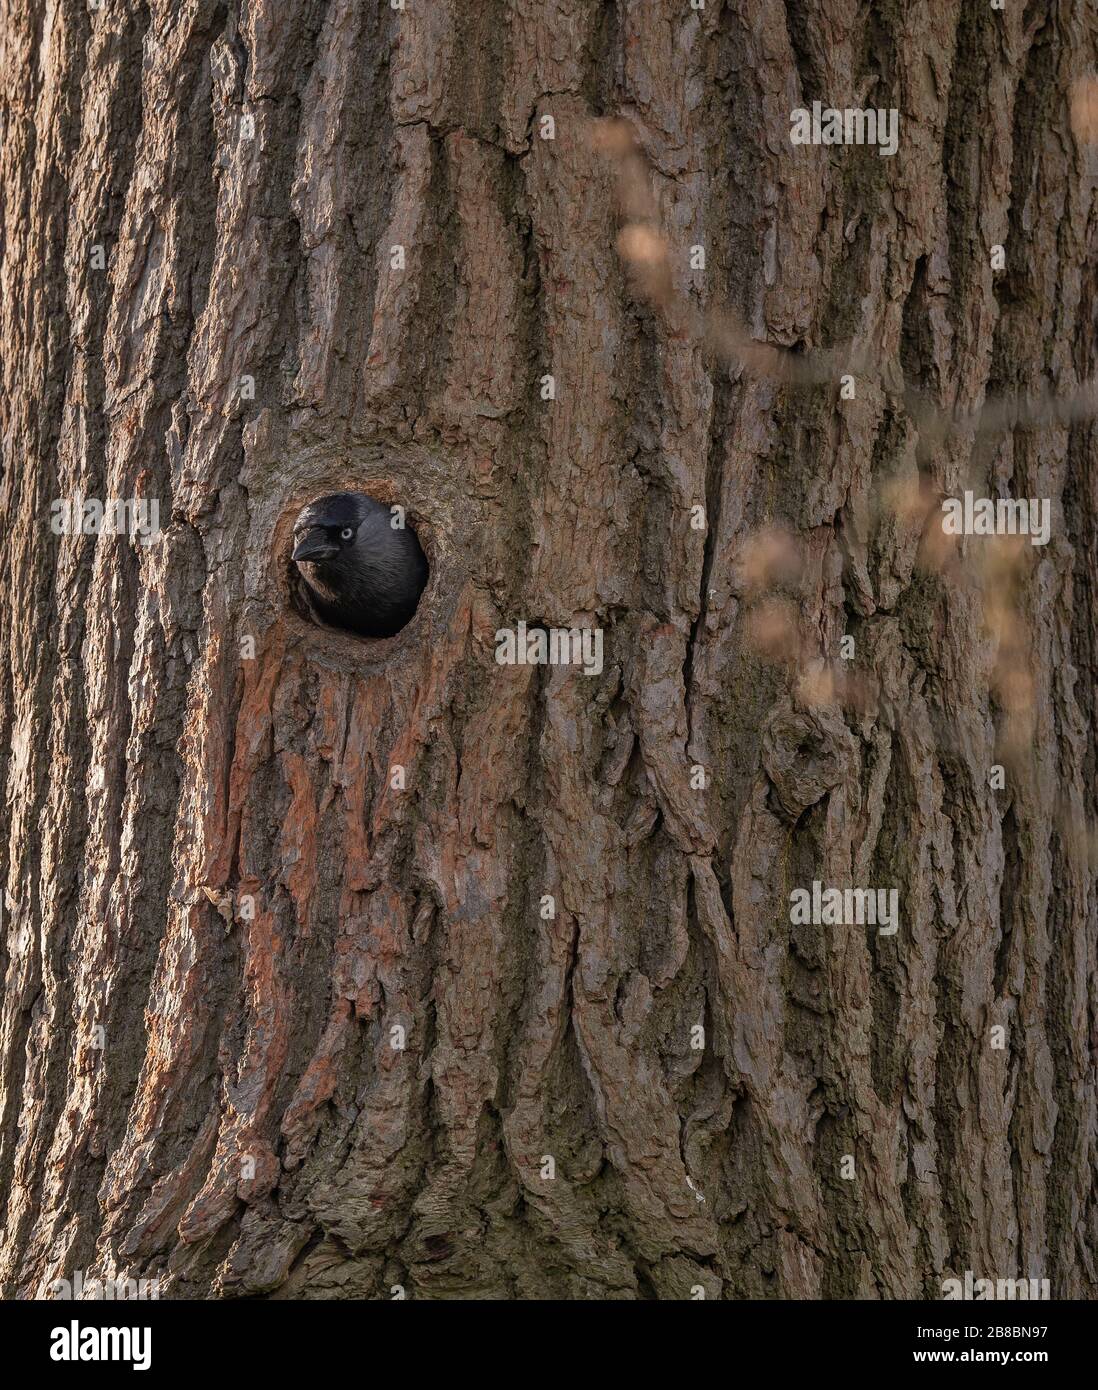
(347, 533)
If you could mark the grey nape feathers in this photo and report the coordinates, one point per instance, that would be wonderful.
(361, 572)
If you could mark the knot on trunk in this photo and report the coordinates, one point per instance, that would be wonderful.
(805, 753)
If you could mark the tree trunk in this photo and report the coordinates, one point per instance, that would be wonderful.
(537, 1022)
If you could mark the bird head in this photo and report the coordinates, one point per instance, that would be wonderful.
(327, 528)
(362, 573)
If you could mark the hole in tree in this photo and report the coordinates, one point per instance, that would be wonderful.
(356, 564)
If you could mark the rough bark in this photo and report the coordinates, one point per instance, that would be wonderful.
(243, 1123)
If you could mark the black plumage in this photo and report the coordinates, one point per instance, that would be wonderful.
(362, 573)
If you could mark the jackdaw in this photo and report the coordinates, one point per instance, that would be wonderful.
(361, 572)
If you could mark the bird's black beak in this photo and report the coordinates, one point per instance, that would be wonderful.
(315, 545)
